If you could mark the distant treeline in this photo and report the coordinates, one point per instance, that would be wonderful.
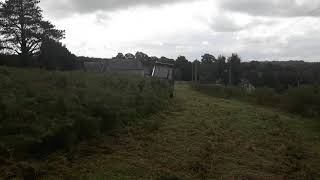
(222, 70)
(231, 71)
(279, 75)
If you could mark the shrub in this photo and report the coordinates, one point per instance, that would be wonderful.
(304, 101)
(221, 91)
(266, 96)
(43, 111)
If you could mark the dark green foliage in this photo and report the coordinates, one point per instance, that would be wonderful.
(219, 90)
(266, 96)
(43, 111)
(208, 59)
(281, 75)
(120, 56)
(304, 101)
(9, 60)
(183, 69)
(55, 56)
(230, 70)
(221, 70)
(234, 69)
(22, 27)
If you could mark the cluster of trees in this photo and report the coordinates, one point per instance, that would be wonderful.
(232, 71)
(281, 75)
(277, 75)
(208, 69)
(24, 32)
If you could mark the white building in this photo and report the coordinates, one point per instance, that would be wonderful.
(163, 71)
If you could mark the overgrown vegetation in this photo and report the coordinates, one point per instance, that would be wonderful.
(197, 137)
(43, 111)
(304, 100)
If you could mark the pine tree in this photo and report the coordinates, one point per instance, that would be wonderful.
(22, 27)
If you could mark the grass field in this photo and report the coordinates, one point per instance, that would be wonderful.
(202, 137)
(198, 137)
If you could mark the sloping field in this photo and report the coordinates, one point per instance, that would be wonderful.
(198, 137)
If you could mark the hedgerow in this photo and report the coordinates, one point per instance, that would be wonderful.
(42, 111)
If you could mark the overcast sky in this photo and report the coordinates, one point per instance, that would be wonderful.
(255, 29)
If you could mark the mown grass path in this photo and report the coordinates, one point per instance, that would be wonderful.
(199, 137)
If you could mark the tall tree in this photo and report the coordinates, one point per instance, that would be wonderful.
(119, 56)
(207, 68)
(55, 56)
(207, 59)
(221, 69)
(22, 28)
(166, 60)
(147, 62)
(129, 56)
(183, 69)
(234, 69)
(142, 56)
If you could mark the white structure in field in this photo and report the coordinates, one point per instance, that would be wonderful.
(247, 86)
(163, 71)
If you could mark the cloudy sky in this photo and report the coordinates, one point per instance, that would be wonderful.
(255, 29)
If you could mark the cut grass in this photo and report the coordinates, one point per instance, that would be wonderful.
(199, 137)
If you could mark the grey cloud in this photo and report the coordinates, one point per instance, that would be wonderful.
(304, 47)
(102, 18)
(224, 23)
(88, 6)
(280, 8)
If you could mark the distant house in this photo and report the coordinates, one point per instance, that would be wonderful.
(247, 86)
(166, 72)
(163, 71)
(116, 66)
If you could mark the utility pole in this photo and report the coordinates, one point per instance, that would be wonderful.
(298, 79)
(230, 73)
(192, 71)
(196, 72)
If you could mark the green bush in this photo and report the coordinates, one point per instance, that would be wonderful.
(221, 91)
(266, 96)
(304, 101)
(43, 111)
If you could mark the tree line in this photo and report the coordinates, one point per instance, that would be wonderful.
(232, 71)
(26, 39)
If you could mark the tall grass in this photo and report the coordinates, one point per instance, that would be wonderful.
(304, 101)
(43, 111)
